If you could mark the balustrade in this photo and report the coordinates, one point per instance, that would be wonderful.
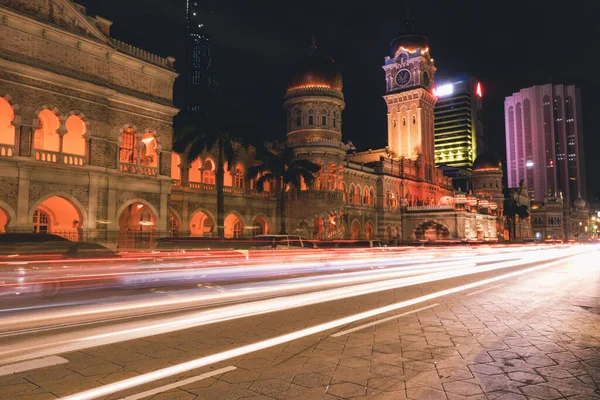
(73, 159)
(46, 155)
(6, 150)
(138, 169)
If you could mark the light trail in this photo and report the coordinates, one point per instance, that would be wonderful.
(35, 348)
(243, 350)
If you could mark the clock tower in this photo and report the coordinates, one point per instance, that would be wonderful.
(409, 72)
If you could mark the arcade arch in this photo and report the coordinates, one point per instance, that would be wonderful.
(431, 230)
(201, 224)
(355, 230)
(234, 226)
(58, 216)
(7, 130)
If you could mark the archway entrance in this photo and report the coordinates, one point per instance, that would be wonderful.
(431, 231)
(260, 226)
(136, 227)
(3, 220)
(233, 227)
(355, 230)
(58, 216)
(201, 225)
(369, 230)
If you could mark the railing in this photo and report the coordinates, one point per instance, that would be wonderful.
(430, 208)
(73, 159)
(47, 155)
(138, 169)
(264, 193)
(176, 182)
(6, 150)
(145, 55)
(336, 195)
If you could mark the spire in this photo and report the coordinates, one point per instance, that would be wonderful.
(313, 45)
(410, 23)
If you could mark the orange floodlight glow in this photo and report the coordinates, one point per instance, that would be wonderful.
(309, 86)
(478, 90)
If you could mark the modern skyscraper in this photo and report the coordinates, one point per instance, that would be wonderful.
(544, 141)
(198, 73)
(458, 123)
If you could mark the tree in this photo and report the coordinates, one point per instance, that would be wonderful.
(513, 208)
(205, 131)
(278, 164)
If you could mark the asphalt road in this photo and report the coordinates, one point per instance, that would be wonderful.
(486, 322)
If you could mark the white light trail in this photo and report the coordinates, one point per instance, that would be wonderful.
(243, 350)
(72, 341)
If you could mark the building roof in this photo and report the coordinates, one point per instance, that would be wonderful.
(487, 161)
(409, 37)
(316, 69)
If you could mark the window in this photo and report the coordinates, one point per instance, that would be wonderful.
(238, 177)
(414, 119)
(394, 123)
(323, 120)
(311, 120)
(404, 121)
(334, 122)
(298, 118)
(208, 173)
(127, 150)
(40, 222)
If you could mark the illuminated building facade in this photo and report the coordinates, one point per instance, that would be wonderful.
(85, 127)
(544, 141)
(458, 123)
(198, 61)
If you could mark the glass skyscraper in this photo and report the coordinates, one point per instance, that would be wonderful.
(198, 73)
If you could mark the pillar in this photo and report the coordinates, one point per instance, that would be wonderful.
(23, 222)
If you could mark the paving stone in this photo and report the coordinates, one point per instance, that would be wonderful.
(462, 388)
(486, 369)
(311, 380)
(239, 375)
(346, 390)
(541, 392)
(266, 386)
(419, 393)
(526, 377)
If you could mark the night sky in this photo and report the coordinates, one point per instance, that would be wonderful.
(508, 45)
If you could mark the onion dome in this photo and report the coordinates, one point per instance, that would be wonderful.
(535, 205)
(487, 161)
(580, 203)
(316, 69)
(409, 37)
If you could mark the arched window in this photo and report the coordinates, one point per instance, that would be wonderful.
(369, 231)
(298, 118)
(404, 121)
(7, 130)
(74, 141)
(46, 137)
(149, 153)
(238, 176)
(394, 123)
(195, 171)
(40, 222)
(414, 119)
(357, 194)
(208, 172)
(175, 166)
(351, 193)
(366, 197)
(311, 117)
(127, 148)
(371, 196)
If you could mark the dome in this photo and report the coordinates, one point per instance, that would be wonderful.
(487, 161)
(579, 203)
(409, 38)
(316, 69)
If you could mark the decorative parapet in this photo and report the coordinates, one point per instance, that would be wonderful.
(448, 207)
(167, 62)
(314, 91)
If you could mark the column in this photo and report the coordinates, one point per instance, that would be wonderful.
(92, 202)
(163, 217)
(23, 222)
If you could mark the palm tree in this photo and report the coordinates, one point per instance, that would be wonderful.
(513, 208)
(279, 165)
(200, 132)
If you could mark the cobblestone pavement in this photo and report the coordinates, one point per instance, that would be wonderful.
(533, 337)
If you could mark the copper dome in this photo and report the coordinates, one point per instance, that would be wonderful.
(487, 161)
(316, 69)
(409, 38)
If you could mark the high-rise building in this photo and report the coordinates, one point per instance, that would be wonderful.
(544, 141)
(458, 123)
(198, 73)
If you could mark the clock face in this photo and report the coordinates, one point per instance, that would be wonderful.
(425, 78)
(403, 77)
